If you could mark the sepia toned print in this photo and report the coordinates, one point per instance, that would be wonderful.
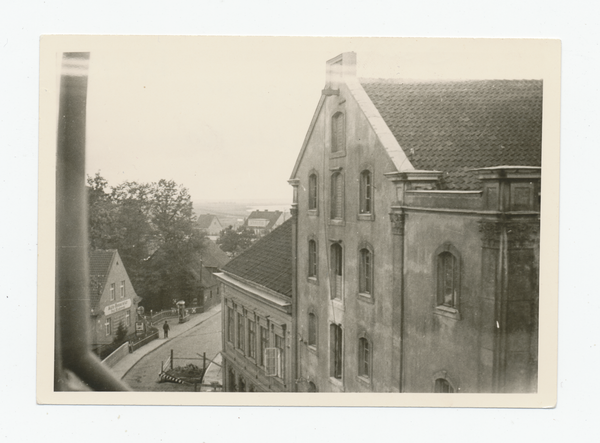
(407, 261)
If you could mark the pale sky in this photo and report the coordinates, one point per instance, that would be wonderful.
(226, 116)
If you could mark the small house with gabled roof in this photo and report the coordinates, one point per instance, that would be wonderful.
(209, 224)
(112, 297)
(263, 222)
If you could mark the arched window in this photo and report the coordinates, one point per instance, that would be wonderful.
(312, 192)
(366, 192)
(338, 133)
(364, 358)
(312, 258)
(312, 330)
(447, 282)
(443, 386)
(337, 270)
(365, 280)
(337, 196)
(335, 349)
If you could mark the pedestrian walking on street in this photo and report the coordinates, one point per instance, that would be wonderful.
(166, 329)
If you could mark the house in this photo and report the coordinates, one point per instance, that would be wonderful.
(416, 221)
(256, 289)
(209, 224)
(113, 299)
(263, 222)
(212, 259)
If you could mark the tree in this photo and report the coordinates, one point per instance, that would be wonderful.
(236, 240)
(152, 226)
(120, 334)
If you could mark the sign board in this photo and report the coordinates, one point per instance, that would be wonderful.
(116, 307)
(139, 327)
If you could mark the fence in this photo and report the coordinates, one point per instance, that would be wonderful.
(146, 340)
(168, 313)
(117, 355)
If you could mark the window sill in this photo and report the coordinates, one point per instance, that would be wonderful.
(312, 348)
(337, 382)
(364, 380)
(337, 154)
(366, 217)
(337, 222)
(446, 311)
(313, 212)
(313, 280)
(367, 298)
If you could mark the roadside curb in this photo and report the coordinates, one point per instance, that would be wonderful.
(168, 341)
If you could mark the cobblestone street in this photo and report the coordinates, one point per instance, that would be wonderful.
(187, 348)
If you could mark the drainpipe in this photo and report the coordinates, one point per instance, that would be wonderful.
(294, 342)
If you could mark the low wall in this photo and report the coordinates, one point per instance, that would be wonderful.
(117, 355)
(143, 342)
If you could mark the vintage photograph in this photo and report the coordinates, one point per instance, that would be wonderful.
(299, 215)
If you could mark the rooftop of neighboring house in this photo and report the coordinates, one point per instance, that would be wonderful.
(204, 220)
(269, 217)
(456, 126)
(212, 255)
(268, 262)
(100, 264)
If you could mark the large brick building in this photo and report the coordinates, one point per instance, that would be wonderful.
(416, 232)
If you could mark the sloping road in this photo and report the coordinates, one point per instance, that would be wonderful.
(206, 337)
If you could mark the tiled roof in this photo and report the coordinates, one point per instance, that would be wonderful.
(456, 126)
(272, 216)
(100, 262)
(204, 220)
(268, 262)
(212, 255)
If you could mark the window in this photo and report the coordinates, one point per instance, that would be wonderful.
(230, 324)
(263, 344)
(338, 133)
(366, 272)
(251, 338)
(447, 279)
(128, 318)
(366, 193)
(335, 348)
(364, 358)
(240, 332)
(336, 271)
(337, 196)
(280, 344)
(112, 291)
(108, 326)
(312, 192)
(122, 289)
(312, 330)
(312, 259)
(443, 386)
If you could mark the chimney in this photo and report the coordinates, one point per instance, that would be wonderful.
(338, 68)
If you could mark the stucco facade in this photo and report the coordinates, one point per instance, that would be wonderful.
(436, 287)
(114, 300)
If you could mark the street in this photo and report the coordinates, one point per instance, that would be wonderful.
(187, 348)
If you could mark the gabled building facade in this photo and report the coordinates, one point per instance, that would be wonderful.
(417, 236)
(263, 222)
(209, 224)
(113, 299)
(256, 289)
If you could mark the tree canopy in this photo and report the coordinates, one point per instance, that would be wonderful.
(152, 226)
(237, 240)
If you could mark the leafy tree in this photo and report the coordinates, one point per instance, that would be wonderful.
(236, 240)
(120, 334)
(152, 226)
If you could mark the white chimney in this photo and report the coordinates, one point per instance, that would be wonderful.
(338, 68)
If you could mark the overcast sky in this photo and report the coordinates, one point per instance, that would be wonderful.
(226, 117)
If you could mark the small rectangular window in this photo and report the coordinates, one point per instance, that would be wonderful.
(364, 358)
(128, 318)
(122, 289)
(263, 345)
(240, 331)
(312, 330)
(335, 349)
(108, 326)
(230, 324)
(112, 291)
(280, 344)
